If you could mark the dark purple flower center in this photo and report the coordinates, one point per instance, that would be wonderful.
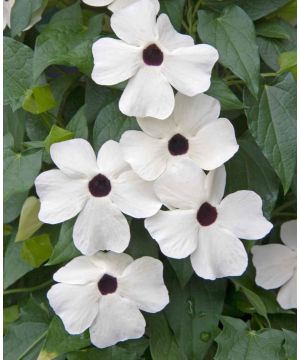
(178, 145)
(107, 284)
(152, 55)
(99, 186)
(207, 214)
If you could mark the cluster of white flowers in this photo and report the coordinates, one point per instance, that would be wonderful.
(161, 165)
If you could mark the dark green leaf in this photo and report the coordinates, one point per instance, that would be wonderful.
(65, 40)
(183, 269)
(290, 344)
(14, 124)
(272, 29)
(17, 71)
(78, 124)
(111, 353)
(233, 34)
(12, 206)
(272, 122)
(238, 342)
(10, 314)
(174, 9)
(249, 170)
(64, 250)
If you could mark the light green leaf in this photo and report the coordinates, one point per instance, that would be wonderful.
(17, 71)
(222, 92)
(25, 336)
(110, 124)
(66, 41)
(232, 33)
(20, 170)
(162, 342)
(39, 100)
(290, 344)
(10, 314)
(37, 250)
(272, 123)
(238, 342)
(58, 341)
(29, 222)
(250, 170)
(288, 62)
(272, 29)
(64, 250)
(57, 134)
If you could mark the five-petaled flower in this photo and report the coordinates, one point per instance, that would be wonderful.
(113, 5)
(99, 189)
(276, 265)
(201, 224)
(192, 131)
(105, 293)
(153, 56)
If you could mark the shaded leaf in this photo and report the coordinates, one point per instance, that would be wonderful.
(290, 344)
(174, 9)
(183, 269)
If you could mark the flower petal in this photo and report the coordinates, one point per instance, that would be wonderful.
(136, 23)
(159, 129)
(176, 232)
(192, 113)
(219, 254)
(213, 145)
(148, 93)
(101, 226)
(188, 69)
(181, 185)
(274, 264)
(118, 320)
(288, 234)
(97, 2)
(143, 283)
(215, 183)
(75, 158)
(112, 263)
(241, 213)
(169, 38)
(76, 305)
(121, 4)
(79, 271)
(110, 159)
(114, 61)
(134, 196)
(146, 155)
(61, 197)
(287, 295)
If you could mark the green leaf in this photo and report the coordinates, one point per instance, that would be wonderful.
(20, 170)
(66, 41)
(58, 341)
(12, 206)
(25, 336)
(272, 29)
(233, 34)
(110, 124)
(14, 124)
(272, 123)
(111, 353)
(174, 9)
(57, 134)
(183, 269)
(29, 222)
(222, 92)
(39, 100)
(288, 62)
(78, 124)
(290, 344)
(250, 170)
(64, 250)
(25, 13)
(257, 9)
(141, 243)
(238, 342)
(288, 12)
(193, 314)
(37, 250)
(10, 314)
(17, 71)
(162, 342)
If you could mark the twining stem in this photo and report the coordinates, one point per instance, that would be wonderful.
(34, 288)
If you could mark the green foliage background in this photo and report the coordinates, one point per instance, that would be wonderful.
(49, 97)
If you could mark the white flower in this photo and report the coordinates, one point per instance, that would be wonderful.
(276, 265)
(114, 5)
(105, 293)
(201, 224)
(99, 189)
(153, 56)
(7, 8)
(193, 131)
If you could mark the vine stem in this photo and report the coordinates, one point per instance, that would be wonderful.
(34, 288)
